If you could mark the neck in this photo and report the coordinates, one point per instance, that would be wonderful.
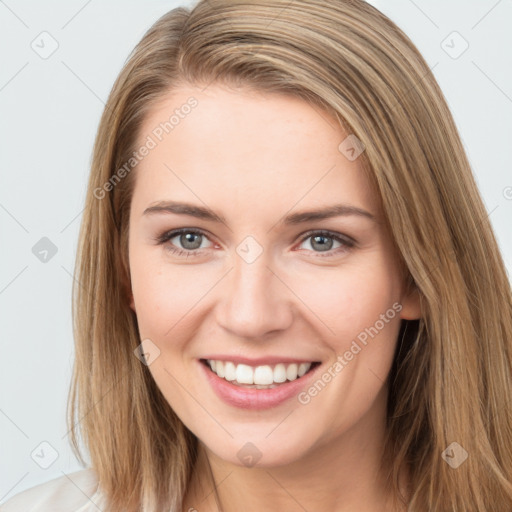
(340, 474)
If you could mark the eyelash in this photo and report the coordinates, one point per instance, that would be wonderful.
(347, 242)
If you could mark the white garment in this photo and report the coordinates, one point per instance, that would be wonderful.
(76, 492)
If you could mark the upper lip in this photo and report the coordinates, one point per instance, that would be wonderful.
(258, 361)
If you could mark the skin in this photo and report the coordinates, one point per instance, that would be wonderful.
(254, 158)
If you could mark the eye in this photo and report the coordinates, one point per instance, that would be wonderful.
(190, 240)
(323, 242)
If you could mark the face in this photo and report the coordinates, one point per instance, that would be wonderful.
(227, 266)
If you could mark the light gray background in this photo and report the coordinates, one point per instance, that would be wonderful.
(50, 109)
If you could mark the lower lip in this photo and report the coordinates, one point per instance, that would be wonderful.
(252, 398)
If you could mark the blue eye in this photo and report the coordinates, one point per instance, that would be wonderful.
(323, 241)
(191, 241)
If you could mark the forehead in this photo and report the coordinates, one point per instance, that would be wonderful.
(248, 150)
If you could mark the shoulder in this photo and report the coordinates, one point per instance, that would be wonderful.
(76, 492)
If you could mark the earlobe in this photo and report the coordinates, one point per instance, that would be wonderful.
(411, 305)
(132, 302)
(127, 291)
(129, 295)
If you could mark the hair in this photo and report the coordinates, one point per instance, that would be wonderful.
(451, 376)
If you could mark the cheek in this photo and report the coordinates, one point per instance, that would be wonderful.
(164, 294)
(361, 308)
(352, 299)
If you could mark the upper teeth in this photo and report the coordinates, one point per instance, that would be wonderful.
(262, 375)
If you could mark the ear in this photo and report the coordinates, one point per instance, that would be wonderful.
(132, 303)
(127, 291)
(411, 305)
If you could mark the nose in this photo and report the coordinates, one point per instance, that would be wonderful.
(255, 301)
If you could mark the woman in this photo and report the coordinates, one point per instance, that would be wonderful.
(290, 294)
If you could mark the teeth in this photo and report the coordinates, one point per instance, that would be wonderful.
(244, 374)
(229, 371)
(291, 371)
(303, 368)
(260, 377)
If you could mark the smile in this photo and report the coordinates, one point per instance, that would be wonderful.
(253, 396)
(259, 377)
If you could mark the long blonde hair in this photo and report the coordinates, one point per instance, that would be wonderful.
(452, 373)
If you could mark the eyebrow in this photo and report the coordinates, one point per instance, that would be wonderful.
(201, 212)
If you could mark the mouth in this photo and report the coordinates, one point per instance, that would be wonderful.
(267, 376)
